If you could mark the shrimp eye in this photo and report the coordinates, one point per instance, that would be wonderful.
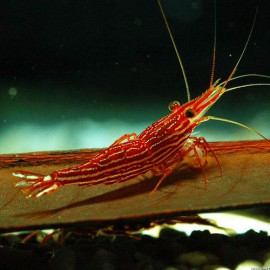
(190, 113)
(172, 105)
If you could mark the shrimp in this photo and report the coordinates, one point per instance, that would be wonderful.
(155, 150)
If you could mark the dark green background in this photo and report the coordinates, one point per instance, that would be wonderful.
(107, 67)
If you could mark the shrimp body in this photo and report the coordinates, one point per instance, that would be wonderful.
(155, 150)
(117, 163)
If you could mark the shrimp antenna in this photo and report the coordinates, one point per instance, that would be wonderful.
(214, 48)
(236, 123)
(175, 49)
(223, 84)
(242, 54)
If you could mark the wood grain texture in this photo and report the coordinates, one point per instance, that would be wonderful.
(244, 182)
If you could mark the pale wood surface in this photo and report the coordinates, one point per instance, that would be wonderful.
(244, 182)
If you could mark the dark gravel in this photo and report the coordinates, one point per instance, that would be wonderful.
(172, 250)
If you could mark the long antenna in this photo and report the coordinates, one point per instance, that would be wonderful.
(245, 47)
(236, 123)
(246, 75)
(223, 84)
(214, 48)
(175, 49)
(249, 36)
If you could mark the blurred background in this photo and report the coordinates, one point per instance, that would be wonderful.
(79, 74)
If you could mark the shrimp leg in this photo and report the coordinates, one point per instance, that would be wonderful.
(126, 137)
(192, 144)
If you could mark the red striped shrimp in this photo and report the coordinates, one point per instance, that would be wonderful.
(155, 150)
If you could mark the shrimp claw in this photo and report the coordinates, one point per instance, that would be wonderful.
(35, 185)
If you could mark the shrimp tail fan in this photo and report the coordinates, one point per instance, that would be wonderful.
(35, 185)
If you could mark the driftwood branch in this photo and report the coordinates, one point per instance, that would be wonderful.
(244, 182)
